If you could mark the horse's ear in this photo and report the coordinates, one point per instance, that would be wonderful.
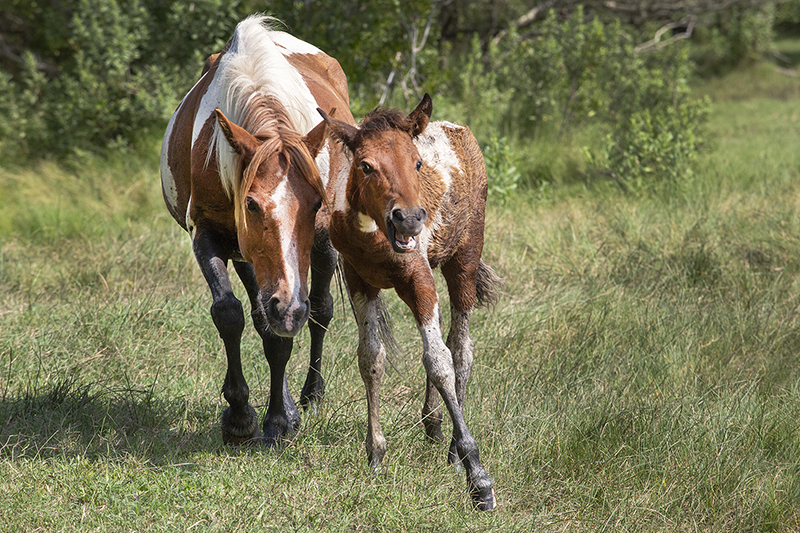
(342, 131)
(315, 138)
(420, 117)
(240, 139)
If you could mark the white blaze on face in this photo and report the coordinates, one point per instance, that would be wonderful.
(283, 214)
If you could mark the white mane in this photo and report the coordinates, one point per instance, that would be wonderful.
(254, 67)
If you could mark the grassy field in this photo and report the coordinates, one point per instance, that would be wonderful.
(640, 372)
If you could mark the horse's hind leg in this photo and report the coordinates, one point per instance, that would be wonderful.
(239, 421)
(323, 266)
(282, 418)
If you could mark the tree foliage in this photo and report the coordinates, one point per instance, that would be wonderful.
(86, 74)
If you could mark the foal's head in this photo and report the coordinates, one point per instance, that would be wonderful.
(385, 176)
(276, 199)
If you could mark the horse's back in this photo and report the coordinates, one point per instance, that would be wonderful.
(323, 75)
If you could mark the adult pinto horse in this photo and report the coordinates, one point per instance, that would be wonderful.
(414, 200)
(239, 175)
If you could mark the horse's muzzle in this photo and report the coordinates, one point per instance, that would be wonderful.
(286, 320)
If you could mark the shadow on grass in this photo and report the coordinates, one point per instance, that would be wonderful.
(93, 421)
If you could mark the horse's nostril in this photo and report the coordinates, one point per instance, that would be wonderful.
(398, 215)
(422, 215)
(272, 307)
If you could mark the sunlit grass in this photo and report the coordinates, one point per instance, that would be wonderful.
(639, 373)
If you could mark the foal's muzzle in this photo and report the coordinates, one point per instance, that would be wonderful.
(403, 226)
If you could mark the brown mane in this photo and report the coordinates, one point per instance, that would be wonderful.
(384, 119)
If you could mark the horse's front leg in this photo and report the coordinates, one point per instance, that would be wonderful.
(239, 421)
(282, 418)
(323, 266)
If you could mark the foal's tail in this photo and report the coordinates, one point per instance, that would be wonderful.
(487, 286)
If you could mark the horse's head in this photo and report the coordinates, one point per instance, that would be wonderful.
(275, 202)
(385, 176)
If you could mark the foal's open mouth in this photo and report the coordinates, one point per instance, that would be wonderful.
(401, 243)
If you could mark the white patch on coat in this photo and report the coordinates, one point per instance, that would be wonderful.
(340, 193)
(324, 164)
(366, 224)
(435, 355)
(367, 315)
(437, 152)
(167, 179)
(293, 45)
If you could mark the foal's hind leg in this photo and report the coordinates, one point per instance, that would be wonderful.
(323, 266)
(282, 418)
(239, 421)
(461, 276)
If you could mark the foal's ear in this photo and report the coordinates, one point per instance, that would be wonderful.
(342, 131)
(315, 138)
(240, 140)
(420, 117)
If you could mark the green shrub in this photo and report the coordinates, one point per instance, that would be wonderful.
(100, 73)
(500, 168)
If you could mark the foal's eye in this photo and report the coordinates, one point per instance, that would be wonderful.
(366, 167)
(252, 205)
(419, 165)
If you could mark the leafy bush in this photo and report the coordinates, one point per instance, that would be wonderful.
(500, 168)
(658, 127)
(99, 73)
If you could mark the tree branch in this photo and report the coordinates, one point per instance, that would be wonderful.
(657, 44)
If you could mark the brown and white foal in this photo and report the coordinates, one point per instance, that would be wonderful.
(414, 200)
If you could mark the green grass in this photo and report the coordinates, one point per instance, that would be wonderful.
(639, 373)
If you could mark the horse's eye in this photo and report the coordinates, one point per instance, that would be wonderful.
(252, 205)
(366, 167)
(318, 205)
(419, 165)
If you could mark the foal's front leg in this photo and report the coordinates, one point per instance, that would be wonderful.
(439, 367)
(239, 421)
(371, 361)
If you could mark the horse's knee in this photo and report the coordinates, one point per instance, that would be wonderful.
(321, 308)
(228, 316)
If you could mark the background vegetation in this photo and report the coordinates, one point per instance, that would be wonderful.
(639, 374)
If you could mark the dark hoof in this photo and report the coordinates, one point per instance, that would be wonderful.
(312, 394)
(452, 457)
(239, 428)
(278, 430)
(433, 429)
(484, 500)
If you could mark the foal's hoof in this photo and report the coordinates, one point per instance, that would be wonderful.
(484, 500)
(239, 428)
